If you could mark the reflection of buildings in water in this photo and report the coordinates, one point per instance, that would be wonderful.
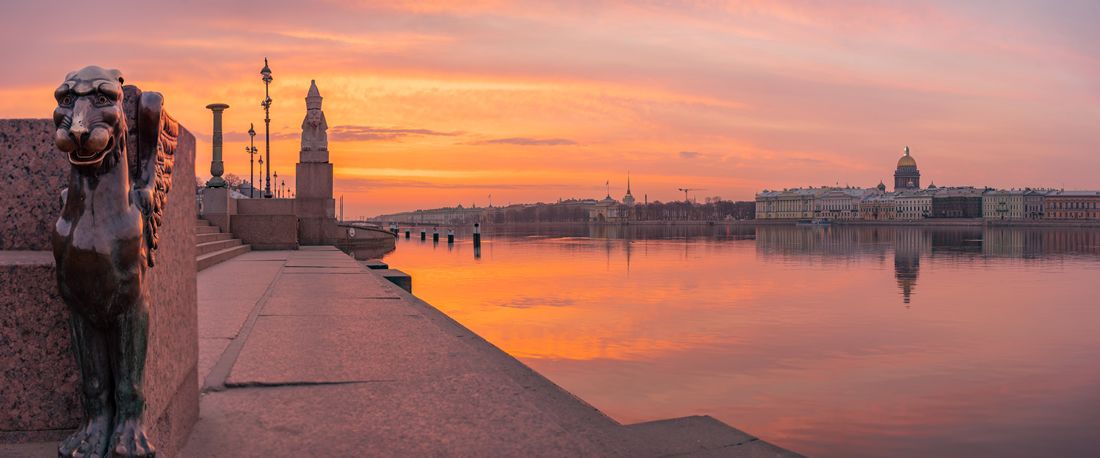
(833, 243)
(627, 246)
(840, 243)
(908, 245)
(906, 269)
(1037, 243)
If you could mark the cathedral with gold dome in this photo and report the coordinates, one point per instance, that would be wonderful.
(906, 177)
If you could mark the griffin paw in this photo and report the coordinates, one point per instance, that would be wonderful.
(130, 440)
(89, 441)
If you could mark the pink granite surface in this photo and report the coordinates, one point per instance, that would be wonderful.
(266, 232)
(38, 381)
(38, 378)
(32, 174)
(171, 365)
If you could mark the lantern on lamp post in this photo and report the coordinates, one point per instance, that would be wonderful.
(252, 151)
(266, 75)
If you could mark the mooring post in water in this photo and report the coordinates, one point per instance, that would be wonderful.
(408, 233)
(477, 235)
(435, 234)
(450, 236)
(423, 234)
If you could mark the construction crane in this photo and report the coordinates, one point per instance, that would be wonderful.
(685, 190)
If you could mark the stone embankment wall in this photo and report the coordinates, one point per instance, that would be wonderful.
(39, 382)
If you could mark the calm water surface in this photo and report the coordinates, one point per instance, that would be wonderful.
(841, 341)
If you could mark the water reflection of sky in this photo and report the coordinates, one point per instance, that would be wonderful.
(833, 341)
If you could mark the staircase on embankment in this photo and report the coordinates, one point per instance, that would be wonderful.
(214, 246)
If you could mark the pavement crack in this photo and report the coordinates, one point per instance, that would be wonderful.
(303, 383)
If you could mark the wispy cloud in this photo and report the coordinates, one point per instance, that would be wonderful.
(373, 184)
(735, 96)
(369, 133)
(349, 133)
(527, 141)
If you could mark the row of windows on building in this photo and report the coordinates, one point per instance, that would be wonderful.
(852, 203)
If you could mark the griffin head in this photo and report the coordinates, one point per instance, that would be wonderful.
(89, 114)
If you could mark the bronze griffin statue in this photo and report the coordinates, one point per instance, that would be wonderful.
(120, 143)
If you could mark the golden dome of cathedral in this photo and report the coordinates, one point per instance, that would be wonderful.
(907, 160)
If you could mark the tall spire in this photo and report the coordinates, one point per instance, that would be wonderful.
(628, 199)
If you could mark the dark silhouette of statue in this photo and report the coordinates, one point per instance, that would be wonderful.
(120, 143)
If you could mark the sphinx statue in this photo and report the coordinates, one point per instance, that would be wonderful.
(314, 128)
(120, 144)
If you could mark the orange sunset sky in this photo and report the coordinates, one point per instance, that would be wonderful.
(438, 103)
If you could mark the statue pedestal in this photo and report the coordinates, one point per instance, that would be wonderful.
(316, 208)
(39, 384)
(218, 207)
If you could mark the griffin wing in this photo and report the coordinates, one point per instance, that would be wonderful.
(158, 134)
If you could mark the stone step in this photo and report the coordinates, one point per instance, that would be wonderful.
(211, 259)
(205, 229)
(212, 237)
(217, 245)
(375, 264)
(701, 436)
(202, 222)
(397, 277)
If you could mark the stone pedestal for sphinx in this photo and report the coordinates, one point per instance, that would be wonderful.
(38, 375)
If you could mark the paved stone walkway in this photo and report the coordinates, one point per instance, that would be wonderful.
(308, 353)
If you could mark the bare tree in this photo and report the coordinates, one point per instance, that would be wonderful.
(233, 180)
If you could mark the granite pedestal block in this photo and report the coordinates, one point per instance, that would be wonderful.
(218, 206)
(38, 378)
(318, 230)
(313, 180)
(39, 381)
(32, 174)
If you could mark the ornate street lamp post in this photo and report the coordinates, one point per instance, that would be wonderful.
(251, 150)
(276, 182)
(282, 188)
(266, 72)
(261, 162)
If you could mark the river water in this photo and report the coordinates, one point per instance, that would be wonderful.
(836, 341)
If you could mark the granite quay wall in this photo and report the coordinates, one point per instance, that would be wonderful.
(964, 222)
(38, 377)
(266, 232)
(266, 207)
(267, 224)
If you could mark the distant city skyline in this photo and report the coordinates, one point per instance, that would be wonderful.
(432, 105)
